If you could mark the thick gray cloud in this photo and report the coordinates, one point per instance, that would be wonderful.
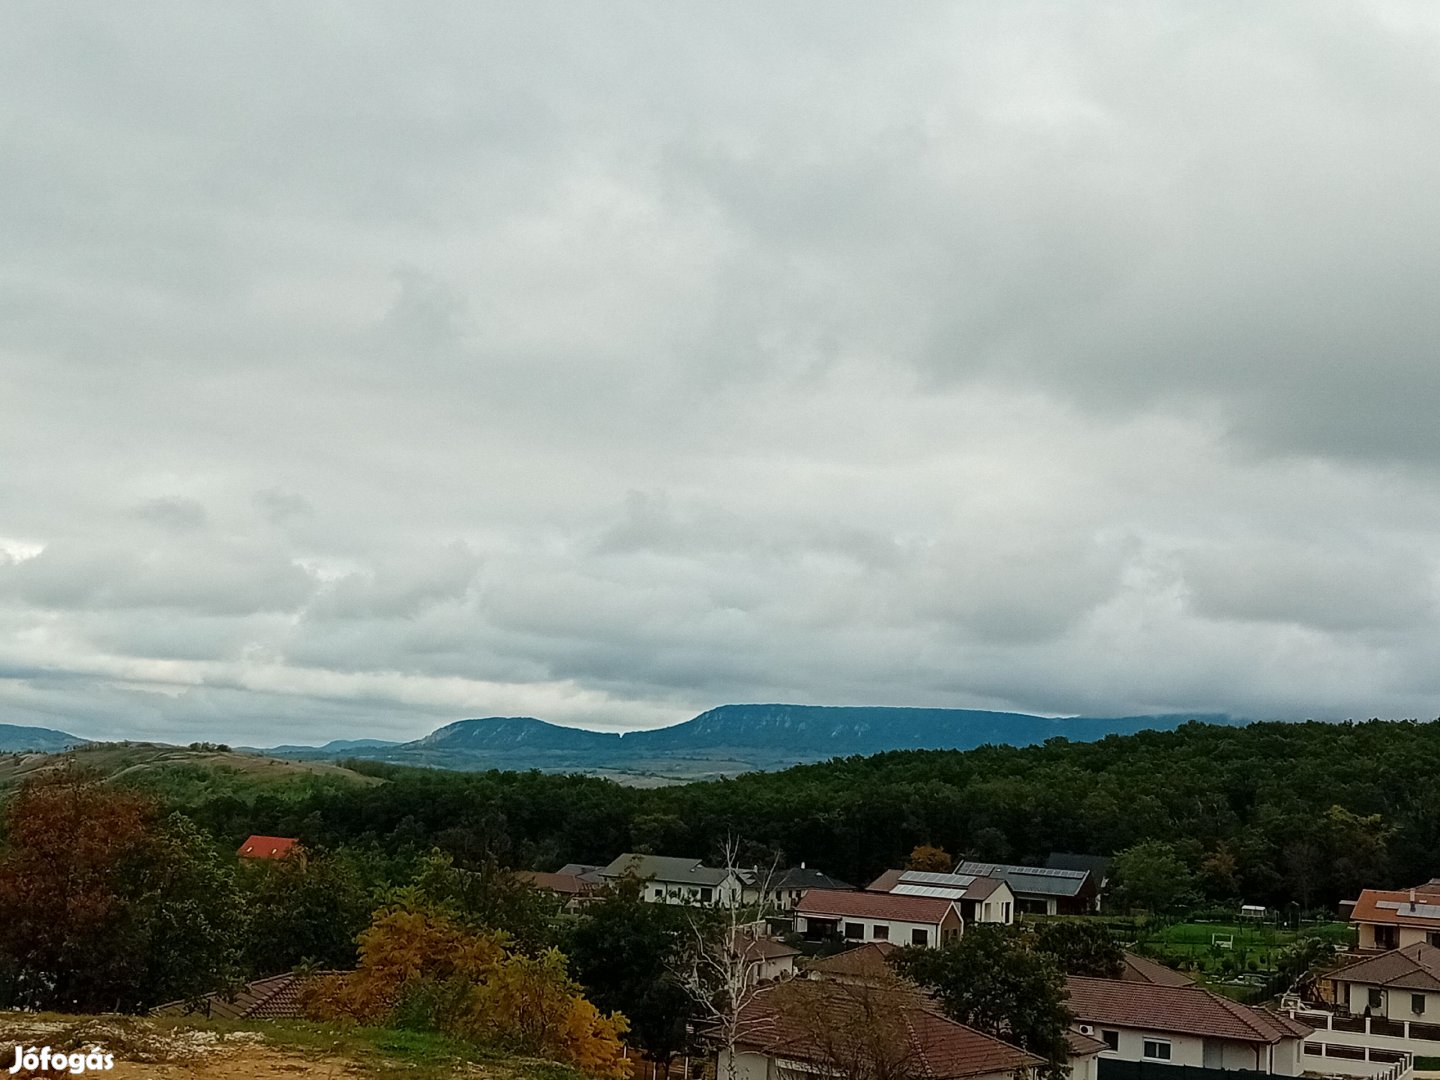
(362, 370)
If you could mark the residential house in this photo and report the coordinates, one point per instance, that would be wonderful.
(864, 964)
(781, 890)
(572, 889)
(1183, 1025)
(1376, 1011)
(270, 847)
(1097, 866)
(849, 915)
(1142, 969)
(1402, 984)
(667, 880)
(825, 1029)
(1042, 891)
(980, 899)
(1393, 919)
(765, 959)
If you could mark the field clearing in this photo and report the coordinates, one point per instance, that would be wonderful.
(197, 1049)
(183, 772)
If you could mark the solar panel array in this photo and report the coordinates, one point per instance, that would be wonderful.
(1420, 911)
(941, 891)
(1031, 879)
(929, 877)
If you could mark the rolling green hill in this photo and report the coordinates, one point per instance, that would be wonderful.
(186, 774)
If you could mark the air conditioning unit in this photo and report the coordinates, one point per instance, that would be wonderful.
(1087, 1029)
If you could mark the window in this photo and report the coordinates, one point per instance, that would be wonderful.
(1387, 937)
(854, 931)
(1417, 1004)
(1111, 1039)
(706, 895)
(1005, 912)
(1157, 1050)
(985, 913)
(919, 937)
(1433, 938)
(1377, 998)
(880, 932)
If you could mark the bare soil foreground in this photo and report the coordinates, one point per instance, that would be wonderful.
(155, 1049)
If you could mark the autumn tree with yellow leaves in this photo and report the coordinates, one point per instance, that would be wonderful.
(421, 968)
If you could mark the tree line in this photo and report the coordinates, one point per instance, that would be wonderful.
(1271, 813)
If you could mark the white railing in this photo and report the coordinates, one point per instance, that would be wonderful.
(1378, 1031)
(1365, 1046)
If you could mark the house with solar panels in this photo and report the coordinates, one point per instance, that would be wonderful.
(1040, 890)
(1395, 919)
(978, 898)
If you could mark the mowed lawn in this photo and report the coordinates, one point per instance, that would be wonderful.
(1221, 948)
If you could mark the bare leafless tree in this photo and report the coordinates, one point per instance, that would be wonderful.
(724, 961)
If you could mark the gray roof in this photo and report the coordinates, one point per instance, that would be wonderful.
(663, 868)
(927, 883)
(584, 871)
(1098, 865)
(800, 877)
(1030, 880)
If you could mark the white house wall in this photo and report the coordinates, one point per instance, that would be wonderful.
(899, 932)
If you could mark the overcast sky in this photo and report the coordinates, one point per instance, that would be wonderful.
(365, 367)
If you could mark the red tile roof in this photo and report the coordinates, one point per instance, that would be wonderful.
(275, 998)
(840, 1026)
(267, 847)
(1184, 1010)
(1142, 969)
(569, 884)
(862, 962)
(841, 903)
(1394, 907)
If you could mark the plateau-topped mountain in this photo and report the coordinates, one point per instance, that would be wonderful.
(737, 738)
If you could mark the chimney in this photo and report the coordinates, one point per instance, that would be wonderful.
(1412, 899)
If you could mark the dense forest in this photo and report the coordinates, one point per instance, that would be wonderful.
(1273, 812)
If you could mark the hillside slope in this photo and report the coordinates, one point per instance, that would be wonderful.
(183, 773)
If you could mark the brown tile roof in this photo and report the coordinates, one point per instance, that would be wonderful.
(862, 962)
(275, 998)
(1083, 1045)
(1184, 1010)
(1394, 907)
(760, 948)
(826, 1023)
(1415, 967)
(872, 905)
(569, 884)
(267, 847)
(1142, 969)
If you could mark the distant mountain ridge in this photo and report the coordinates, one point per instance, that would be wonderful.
(737, 738)
(15, 738)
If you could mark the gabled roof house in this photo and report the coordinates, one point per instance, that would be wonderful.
(670, 880)
(823, 1029)
(1184, 1025)
(980, 899)
(850, 915)
(1394, 919)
